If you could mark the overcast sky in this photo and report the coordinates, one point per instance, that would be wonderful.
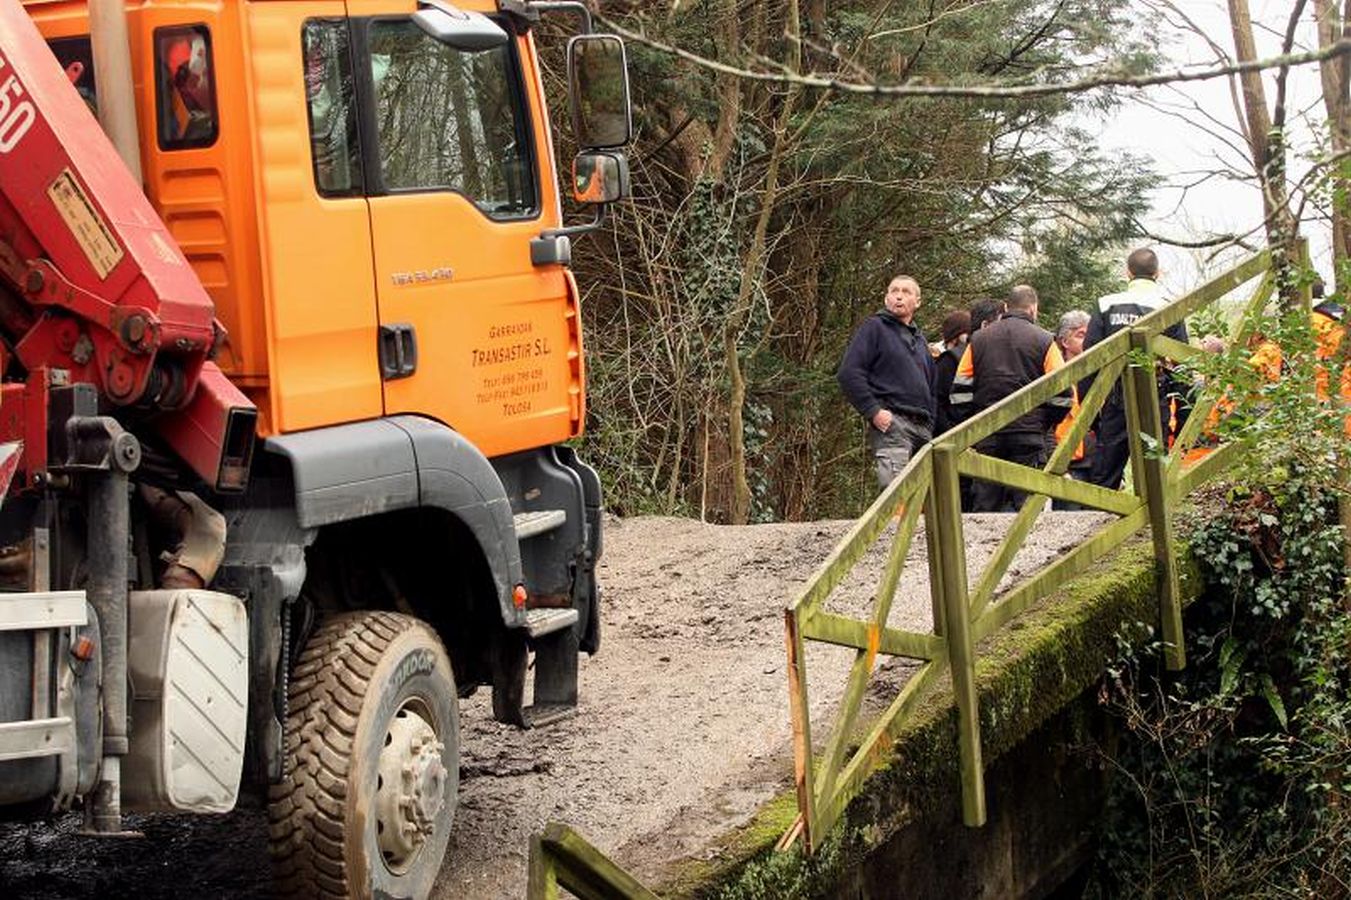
(1190, 131)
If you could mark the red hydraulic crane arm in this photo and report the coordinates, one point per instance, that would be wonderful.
(92, 286)
(97, 285)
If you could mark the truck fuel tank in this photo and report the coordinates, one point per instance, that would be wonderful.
(189, 667)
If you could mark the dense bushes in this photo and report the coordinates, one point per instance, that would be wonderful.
(1234, 777)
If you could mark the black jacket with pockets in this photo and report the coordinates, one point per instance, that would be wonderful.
(887, 366)
(1007, 356)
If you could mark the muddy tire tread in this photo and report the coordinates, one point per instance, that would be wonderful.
(327, 688)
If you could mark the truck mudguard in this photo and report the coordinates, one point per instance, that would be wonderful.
(362, 469)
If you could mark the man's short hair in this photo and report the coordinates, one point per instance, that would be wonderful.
(956, 324)
(1022, 296)
(1071, 321)
(901, 276)
(986, 310)
(1143, 263)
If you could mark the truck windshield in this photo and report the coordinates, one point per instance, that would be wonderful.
(450, 120)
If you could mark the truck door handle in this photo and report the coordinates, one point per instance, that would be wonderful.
(398, 351)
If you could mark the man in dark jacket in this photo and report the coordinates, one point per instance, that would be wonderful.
(1141, 297)
(1000, 359)
(956, 334)
(956, 330)
(887, 375)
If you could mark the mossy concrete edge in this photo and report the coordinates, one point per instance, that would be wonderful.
(1025, 674)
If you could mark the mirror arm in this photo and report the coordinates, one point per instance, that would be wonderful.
(522, 16)
(554, 247)
(572, 6)
(577, 230)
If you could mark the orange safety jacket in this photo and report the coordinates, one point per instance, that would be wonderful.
(1063, 429)
(1328, 334)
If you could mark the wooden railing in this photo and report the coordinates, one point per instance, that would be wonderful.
(562, 858)
(966, 610)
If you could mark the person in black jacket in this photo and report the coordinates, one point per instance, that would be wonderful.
(1141, 297)
(887, 375)
(956, 331)
(1000, 359)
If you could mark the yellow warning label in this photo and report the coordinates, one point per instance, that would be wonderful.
(91, 232)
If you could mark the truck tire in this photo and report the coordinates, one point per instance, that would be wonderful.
(372, 762)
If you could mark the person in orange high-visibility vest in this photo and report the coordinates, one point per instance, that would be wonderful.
(1327, 322)
(1266, 359)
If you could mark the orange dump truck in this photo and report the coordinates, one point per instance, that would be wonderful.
(291, 356)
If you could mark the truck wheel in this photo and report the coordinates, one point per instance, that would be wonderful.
(372, 754)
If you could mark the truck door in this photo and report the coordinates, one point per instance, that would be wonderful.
(456, 156)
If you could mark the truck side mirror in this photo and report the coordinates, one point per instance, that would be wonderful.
(598, 84)
(458, 28)
(600, 177)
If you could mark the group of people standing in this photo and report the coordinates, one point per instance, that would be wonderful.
(908, 396)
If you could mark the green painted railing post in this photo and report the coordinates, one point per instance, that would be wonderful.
(560, 858)
(543, 874)
(957, 627)
(933, 550)
(1153, 467)
(1305, 267)
(800, 711)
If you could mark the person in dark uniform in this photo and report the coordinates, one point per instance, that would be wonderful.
(1000, 359)
(1141, 297)
(954, 411)
(887, 374)
(956, 331)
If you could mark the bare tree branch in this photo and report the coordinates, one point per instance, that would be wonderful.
(1283, 74)
(990, 91)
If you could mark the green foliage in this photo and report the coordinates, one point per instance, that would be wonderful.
(1267, 377)
(1235, 778)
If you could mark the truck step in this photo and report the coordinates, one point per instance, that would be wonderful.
(539, 622)
(529, 524)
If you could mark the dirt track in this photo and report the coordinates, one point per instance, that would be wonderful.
(681, 733)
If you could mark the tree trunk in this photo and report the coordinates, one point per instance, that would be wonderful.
(1256, 120)
(1336, 77)
(739, 512)
(728, 35)
(1267, 147)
